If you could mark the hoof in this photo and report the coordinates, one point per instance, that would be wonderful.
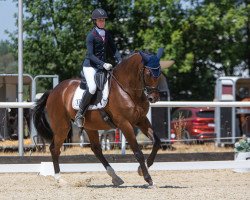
(117, 181)
(152, 186)
(140, 171)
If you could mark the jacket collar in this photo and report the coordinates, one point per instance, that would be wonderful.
(95, 33)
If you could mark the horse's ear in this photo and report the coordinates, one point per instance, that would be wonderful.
(160, 52)
(166, 63)
(145, 57)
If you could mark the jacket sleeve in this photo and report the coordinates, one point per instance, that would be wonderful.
(90, 50)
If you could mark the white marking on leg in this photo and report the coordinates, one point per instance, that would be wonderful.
(60, 180)
(153, 186)
(57, 176)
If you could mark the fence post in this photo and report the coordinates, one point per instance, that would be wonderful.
(123, 144)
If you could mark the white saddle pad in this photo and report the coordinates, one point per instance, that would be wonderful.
(78, 96)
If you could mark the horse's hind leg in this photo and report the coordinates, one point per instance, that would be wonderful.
(60, 130)
(96, 148)
(147, 130)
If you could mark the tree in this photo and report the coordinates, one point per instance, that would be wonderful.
(55, 33)
(214, 38)
(8, 63)
(206, 38)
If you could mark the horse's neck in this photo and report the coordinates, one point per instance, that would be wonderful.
(128, 74)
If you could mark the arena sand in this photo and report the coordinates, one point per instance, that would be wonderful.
(185, 185)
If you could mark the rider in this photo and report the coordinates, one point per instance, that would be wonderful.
(100, 50)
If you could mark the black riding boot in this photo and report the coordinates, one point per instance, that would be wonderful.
(79, 118)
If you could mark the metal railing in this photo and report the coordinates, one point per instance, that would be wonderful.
(158, 104)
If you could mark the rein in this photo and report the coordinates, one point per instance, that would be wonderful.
(146, 88)
(121, 86)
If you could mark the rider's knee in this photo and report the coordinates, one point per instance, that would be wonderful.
(92, 89)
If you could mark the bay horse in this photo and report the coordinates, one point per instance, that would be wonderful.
(132, 86)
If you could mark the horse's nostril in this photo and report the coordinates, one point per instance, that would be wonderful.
(151, 99)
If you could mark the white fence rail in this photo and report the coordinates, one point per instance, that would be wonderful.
(17, 104)
(158, 104)
(200, 104)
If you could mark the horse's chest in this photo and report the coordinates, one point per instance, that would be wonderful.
(139, 112)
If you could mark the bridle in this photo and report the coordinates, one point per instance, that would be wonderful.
(148, 89)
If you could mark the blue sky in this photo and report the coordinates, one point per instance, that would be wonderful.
(7, 20)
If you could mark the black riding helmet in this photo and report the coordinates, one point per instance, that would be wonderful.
(99, 13)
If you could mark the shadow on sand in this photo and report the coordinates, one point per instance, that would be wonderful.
(133, 186)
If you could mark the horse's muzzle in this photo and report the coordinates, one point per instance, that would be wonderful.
(152, 94)
(153, 98)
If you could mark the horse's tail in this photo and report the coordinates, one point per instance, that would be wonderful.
(39, 118)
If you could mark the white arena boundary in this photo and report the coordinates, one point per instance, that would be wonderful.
(46, 168)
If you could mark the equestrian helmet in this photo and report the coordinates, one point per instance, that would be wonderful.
(99, 13)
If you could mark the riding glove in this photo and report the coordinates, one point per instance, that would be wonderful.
(107, 66)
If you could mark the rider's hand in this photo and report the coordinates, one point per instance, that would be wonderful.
(107, 66)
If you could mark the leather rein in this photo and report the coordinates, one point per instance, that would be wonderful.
(147, 89)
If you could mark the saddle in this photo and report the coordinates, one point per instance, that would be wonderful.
(100, 80)
(100, 98)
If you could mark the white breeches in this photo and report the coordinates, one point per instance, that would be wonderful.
(89, 73)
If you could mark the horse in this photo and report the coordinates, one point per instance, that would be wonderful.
(132, 86)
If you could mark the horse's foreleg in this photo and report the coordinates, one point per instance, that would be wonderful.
(147, 130)
(96, 148)
(128, 131)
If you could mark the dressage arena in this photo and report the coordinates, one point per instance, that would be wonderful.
(195, 184)
(171, 184)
